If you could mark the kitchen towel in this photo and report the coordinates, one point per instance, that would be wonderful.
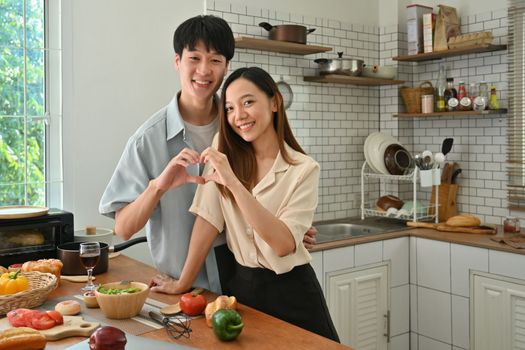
(515, 241)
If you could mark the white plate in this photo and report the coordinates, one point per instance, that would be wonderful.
(376, 152)
(369, 142)
(22, 211)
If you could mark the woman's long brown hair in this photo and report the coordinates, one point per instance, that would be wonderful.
(239, 152)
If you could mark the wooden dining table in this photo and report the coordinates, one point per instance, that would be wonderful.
(261, 331)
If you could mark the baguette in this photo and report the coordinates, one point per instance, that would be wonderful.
(22, 338)
(222, 302)
(464, 221)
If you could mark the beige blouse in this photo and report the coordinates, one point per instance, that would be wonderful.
(289, 191)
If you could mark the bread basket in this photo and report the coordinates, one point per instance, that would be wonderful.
(40, 286)
(412, 96)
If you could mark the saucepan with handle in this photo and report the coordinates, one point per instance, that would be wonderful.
(69, 253)
(287, 32)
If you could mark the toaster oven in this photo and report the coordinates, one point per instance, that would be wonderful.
(34, 238)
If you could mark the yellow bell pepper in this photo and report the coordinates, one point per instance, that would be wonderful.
(13, 282)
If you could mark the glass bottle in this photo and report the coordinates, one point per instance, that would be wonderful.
(484, 93)
(441, 85)
(493, 103)
(473, 92)
(462, 91)
(450, 92)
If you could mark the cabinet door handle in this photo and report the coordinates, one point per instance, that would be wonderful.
(387, 323)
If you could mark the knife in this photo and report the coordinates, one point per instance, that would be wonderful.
(455, 175)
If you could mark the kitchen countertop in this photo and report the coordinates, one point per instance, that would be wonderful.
(480, 241)
(261, 331)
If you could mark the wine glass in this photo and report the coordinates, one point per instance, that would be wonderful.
(89, 255)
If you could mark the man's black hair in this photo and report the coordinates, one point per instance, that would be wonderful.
(213, 31)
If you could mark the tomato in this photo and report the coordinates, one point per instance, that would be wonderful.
(56, 316)
(192, 305)
(17, 317)
(42, 321)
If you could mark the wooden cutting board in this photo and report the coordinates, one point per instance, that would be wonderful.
(480, 230)
(73, 326)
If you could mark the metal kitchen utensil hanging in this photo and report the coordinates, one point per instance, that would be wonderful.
(286, 91)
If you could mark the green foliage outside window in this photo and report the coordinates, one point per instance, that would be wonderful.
(22, 97)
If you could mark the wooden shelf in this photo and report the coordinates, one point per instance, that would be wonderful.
(347, 79)
(278, 46)
(455, 113)
(449, 53)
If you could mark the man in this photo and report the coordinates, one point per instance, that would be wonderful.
(156, 177)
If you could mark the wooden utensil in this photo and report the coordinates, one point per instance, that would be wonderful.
(76, 279)
(73, 326)
(480, 230)
(175, 308)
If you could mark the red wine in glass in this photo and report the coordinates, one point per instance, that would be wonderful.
(89, 255)
(89, 260)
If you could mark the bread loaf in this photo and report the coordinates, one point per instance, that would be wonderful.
(464, 220)
(22, 338)
(222, 302)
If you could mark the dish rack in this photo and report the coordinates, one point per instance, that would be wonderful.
(369, 210)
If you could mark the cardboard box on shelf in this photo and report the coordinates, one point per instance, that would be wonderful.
(429, 21)
(415, 27)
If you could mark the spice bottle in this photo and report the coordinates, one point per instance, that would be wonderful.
(441, 85)
(511, 225)
(450, 92)
(472, 92)
(493, 103)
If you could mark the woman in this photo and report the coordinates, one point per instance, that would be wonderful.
(262, 190)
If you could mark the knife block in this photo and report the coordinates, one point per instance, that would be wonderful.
(446, 201)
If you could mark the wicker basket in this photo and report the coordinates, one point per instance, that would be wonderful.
(412, 96)
(40, 286)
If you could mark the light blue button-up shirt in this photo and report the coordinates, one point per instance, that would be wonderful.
(169, 228)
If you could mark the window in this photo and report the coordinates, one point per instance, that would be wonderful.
(30, 114)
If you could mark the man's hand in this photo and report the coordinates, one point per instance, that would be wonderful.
(309, 240)
(166, 284)
(175, 174)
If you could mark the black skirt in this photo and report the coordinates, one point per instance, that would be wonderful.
(295, 297)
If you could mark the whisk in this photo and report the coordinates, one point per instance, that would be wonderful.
(176, 326)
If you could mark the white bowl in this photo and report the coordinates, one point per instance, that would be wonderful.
(383, 72)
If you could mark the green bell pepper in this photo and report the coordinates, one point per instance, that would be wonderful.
(227, 324)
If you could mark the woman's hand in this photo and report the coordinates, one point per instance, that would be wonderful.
(166, 284)
(223, 173)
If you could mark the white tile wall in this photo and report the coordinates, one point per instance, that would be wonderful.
(396, 250)
(434, 315)
(400, 342)
(433, 264)
(460, 322)
(400, 310)
(432, 344)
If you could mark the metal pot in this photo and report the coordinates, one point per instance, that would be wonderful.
(69, 253)
(340, 65)
(287, 32)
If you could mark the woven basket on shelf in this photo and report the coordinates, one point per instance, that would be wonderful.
(40, 286)
(412, 96)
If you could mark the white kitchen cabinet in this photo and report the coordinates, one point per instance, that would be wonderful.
(497, 309)
(358, 303)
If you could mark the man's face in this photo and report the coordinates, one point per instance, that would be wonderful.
(201, 71)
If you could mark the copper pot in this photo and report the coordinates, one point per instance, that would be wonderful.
(69, 253)
(287, 32)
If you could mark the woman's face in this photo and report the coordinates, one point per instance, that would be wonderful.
(249, 110)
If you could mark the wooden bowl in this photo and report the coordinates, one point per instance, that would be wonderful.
(119, 306)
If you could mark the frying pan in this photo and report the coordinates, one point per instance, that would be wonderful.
(69, 253)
